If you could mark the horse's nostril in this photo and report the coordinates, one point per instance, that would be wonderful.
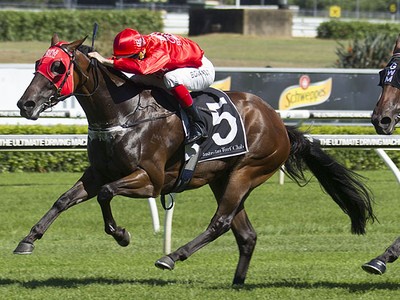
(29, 104)
(386, 120)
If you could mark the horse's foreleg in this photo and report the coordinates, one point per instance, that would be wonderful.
(378, 264)
(137, 184)
(246, 238)
(83, 189)
(218, 226)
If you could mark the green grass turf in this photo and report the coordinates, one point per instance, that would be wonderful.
(224, 50)
(304, 249)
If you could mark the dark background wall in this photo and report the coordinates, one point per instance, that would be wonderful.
(263, 22)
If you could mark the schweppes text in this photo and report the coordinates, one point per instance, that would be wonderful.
(296, 96)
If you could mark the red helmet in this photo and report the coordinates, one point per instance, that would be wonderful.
(128, 42)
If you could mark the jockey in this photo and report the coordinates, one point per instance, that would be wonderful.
(177, 61)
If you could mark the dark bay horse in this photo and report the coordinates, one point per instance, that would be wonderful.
(384, 118)
(136, 149)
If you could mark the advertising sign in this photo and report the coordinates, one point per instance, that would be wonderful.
(283, 88)
(313, 89)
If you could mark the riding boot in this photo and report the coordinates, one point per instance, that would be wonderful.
(197, 128)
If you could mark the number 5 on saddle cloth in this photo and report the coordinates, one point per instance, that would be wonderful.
(225, 128)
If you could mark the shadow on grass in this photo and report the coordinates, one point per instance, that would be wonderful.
(76, 282)
(351, 287)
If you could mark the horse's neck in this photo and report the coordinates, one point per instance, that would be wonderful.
(115, 100)
(126, 105)
(111, 99)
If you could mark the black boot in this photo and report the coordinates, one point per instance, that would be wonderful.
(197, 128)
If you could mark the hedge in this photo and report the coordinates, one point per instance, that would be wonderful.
(43, 161)
(76, 161)
(355, 29)
(74, 24)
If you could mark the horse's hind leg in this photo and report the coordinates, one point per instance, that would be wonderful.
(378, 264)
(246, 238)
(84, 189)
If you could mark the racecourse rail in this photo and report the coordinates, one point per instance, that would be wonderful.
(78, 142)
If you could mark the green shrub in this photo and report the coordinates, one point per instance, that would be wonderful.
(74, 24)
(43, 161)
(371, 51)
(343, 30)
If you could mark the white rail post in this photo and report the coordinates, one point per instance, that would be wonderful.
(154, 214)
(389, 163)
(168, 224)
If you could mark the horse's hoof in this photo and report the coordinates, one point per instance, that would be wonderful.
(165, 263)
(375, 266)
(24, 248)
(126, 239)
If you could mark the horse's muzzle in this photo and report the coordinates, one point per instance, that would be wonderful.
(28, 109)
(383, 125)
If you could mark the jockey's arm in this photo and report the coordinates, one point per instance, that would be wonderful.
(149, 65)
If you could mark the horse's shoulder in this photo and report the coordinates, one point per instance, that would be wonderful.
(158, 99)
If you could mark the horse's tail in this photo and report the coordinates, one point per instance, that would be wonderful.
(343, 185)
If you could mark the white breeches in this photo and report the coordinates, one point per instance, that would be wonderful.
(194, 79)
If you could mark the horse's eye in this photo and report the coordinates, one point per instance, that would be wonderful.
(58, 68)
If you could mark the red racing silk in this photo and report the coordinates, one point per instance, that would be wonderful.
(61, 75)
(164, 52)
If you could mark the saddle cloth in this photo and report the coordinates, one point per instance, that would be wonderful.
(226, 135)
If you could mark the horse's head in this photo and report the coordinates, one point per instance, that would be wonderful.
(54, 78)
(387, 111)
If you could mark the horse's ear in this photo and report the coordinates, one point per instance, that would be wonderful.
(54, 39)
(74, 45)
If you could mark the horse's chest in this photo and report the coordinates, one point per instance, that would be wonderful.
(112, 149)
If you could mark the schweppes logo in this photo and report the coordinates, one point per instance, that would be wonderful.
(305, 94)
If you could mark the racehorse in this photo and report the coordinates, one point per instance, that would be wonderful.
(136, 149)
(384, 118)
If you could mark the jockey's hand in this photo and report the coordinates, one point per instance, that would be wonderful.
(96, 55)
(101, 59)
